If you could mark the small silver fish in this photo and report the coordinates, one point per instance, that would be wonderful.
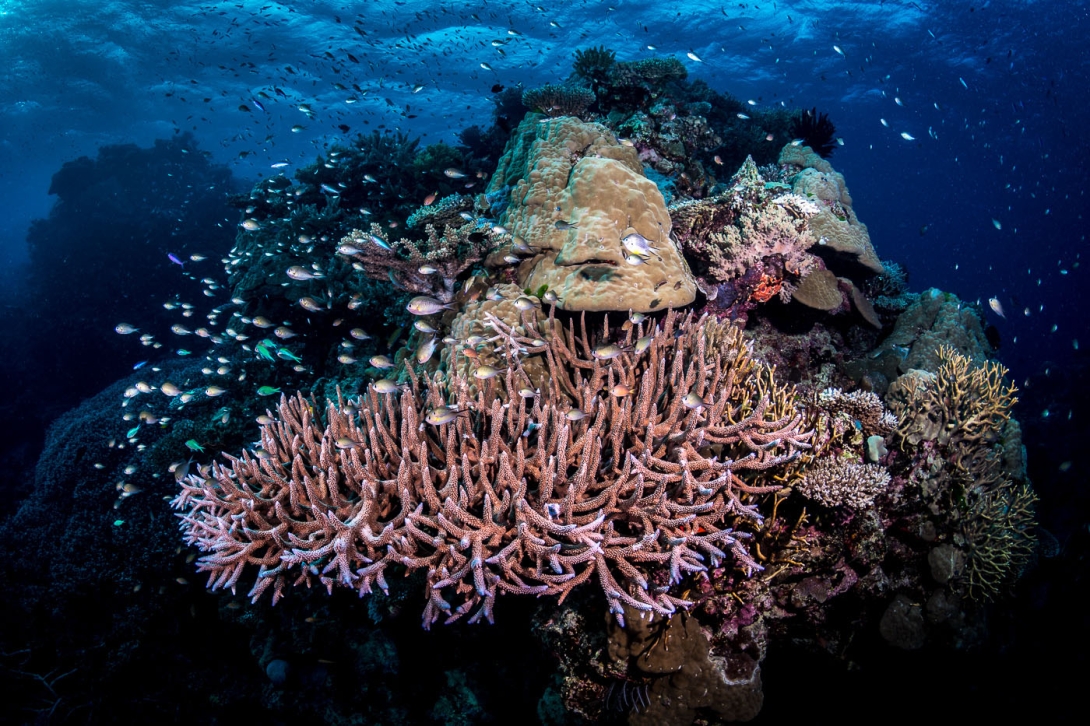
(425, 351)
(441, 415)
(381, 362)
(607, 352)
(309, 303)
(385, 385)
(996, 307)
(297, 272)
(483, 373)
(696, 402)
(423, 305)
(637, 244)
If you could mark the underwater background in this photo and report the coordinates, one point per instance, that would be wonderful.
(208, 205)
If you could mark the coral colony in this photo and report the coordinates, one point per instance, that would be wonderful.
(645, 365)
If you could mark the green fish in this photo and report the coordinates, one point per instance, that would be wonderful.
(119, 522)
(132, 432)
(193, 445)
(288, 355)
(267, 390)
(263, 351)
(183, 351)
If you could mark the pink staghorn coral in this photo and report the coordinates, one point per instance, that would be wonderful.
(613, 473)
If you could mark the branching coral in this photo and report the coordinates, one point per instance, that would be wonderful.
(556, 100)
(633, 468)
(998, 538)
(838, 482)
(425, 268)
(442, 213)
(964, 408)
(962, 403)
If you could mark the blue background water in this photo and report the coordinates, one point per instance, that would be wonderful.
(994, 94)
(1011, 141)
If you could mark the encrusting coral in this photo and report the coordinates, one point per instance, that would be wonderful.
(633, 468)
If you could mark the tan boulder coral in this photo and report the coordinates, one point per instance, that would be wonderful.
(819, 290)
(574, 194)
(836, 225)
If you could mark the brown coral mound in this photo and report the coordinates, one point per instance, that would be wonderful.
(632, 487)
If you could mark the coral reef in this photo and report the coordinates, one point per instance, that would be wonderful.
(963, 410)
(677, 489)
(596, 480)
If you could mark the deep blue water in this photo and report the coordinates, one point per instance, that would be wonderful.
(987, 197)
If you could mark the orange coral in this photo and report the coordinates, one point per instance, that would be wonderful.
(767, 288)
